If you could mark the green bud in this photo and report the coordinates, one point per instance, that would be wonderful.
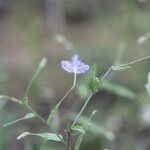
(94, 84)
(42, 63)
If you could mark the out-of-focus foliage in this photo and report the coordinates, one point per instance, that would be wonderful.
(105, 32)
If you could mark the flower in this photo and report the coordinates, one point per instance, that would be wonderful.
(74, 65)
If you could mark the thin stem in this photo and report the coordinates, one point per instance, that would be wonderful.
(11, 99)
(32, 80)
(10, 123)
(75, 80)
(68, 132)
(137, 60)
(130, 63)
(82, 109)
(40, 67)
(68, 140)
(67, 93)
(72, 87)
(106, 74)
(45, 122)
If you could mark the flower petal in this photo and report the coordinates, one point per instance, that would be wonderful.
(67, 66)
(75, 60)
(74, 65)
(82, 68)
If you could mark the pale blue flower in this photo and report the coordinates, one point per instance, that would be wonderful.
(74, 65)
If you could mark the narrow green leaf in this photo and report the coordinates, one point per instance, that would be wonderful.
(121, 67)
(40, 67)
(53, 113)
(27, 116)
(11, 99)
(84, 86)
(24, 134)
(78, 142)
(79, 129)
(94, 84)
(93, 70)
(94, 81)
(13, 122)
(93, 113)
(45, 135)
(49, 136)
(96, 128)
(119, 90)
(88, 123)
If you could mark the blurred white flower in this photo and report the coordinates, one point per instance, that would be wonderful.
(64, 41)
(143, 38)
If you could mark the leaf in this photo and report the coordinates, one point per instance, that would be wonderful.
(78, 142)
(11, 99)
(88, 122)
(121, 67)
(101, 130)
(93, 113)
(45, 135)
(53, 113)
(84, 86)
(94, 80)
(79, 129)
(27, 116)
(97, 129)
(24, 134)
(49, 136)
(119, 90)
(93, 70)
(94, 84)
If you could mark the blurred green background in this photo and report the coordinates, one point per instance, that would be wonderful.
(104, 32)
